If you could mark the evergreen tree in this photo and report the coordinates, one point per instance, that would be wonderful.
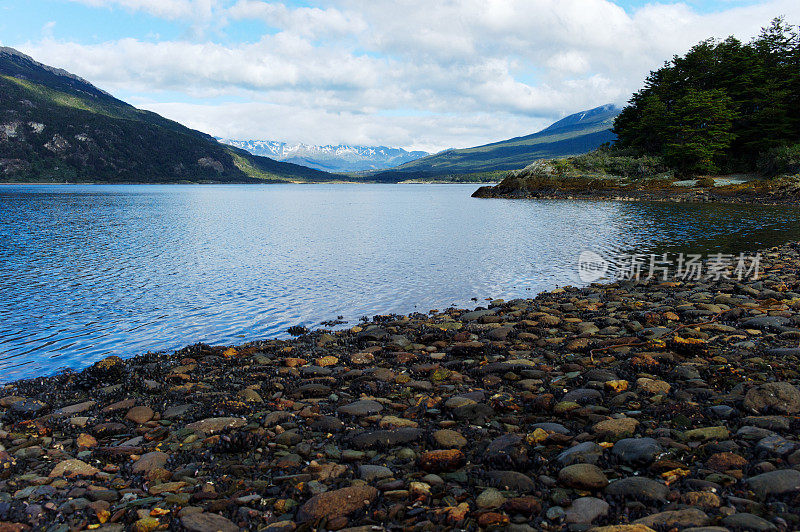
(699, 131)
(749, 92)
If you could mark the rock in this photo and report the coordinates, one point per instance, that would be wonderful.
(775, 482)
(385, 438)
(508, 449)
(364, 407)
(675, 519)
(216, 424)
(526, 505)
(490, 498)
(208, 522)
(511, 480)
(725, 461)
(766, 323)
(74, 409)
(442, 460)
(652, 386)
(616, 428)
(371, 472)
(583, 476)
(639, 488)
(780, 397)
(449, 439)
(749, 522)
(640, 451)
(584, 510)
(140, 414)
(622, 528)
(707, 433)
(73, 468)
(149, 461)
(26, 408)
(337, 503)
(586, 452)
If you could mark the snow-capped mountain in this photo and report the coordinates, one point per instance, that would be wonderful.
(329, 158)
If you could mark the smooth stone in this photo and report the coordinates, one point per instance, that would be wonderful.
(749, 522)
(586, 509)
(620, 427)
(449, 439)
(363, 407)
(511, 480)
(775, 482)
(73, 467)
(149, 461)
(385, 438)
(675, 519)
(490, 498)
(371, 472)
(337, 503)
(140, 414)
(208, 522)
(216, 424)
(637, 488)
(781, 397)
(586, 452)
(636, 450)
(583, 476)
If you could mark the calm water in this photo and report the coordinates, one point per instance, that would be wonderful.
(87, 271)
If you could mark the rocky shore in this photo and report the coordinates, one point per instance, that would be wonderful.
(633, 193)
(622, 407)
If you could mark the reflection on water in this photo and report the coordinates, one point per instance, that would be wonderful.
(87, 271)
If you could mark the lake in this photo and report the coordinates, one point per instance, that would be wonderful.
(92, 270)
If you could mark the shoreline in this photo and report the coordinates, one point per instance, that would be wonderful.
(654, 404)
(672, 195)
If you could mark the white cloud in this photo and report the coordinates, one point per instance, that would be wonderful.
(410, 72)
(303, 20)
(169, 9)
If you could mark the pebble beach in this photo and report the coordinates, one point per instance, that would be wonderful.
(630, 406)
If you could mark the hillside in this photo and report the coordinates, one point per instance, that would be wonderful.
(331, 158)
(576, 134)
(55, 126)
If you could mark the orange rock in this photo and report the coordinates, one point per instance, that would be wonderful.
(327, 361)
(86, 441)
(442, 460)
(492, 519)
(617, 386)
(458, 513)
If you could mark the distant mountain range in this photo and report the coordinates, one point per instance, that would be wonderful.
(574, 135)
(55, 126)
(341, 158)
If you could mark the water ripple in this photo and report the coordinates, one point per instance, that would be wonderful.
(89, 271)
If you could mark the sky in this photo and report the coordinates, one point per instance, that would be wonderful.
(418, 74)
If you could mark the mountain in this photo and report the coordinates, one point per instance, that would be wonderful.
(576, 134)
(341, 158)
(55, 126)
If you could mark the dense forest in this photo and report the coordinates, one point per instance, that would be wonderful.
(726, 106)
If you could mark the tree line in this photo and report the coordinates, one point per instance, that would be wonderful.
(725, 106)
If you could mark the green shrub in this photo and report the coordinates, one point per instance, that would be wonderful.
(784, 160)
(622, 163)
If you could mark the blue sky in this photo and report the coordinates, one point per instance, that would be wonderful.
(411, 73)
